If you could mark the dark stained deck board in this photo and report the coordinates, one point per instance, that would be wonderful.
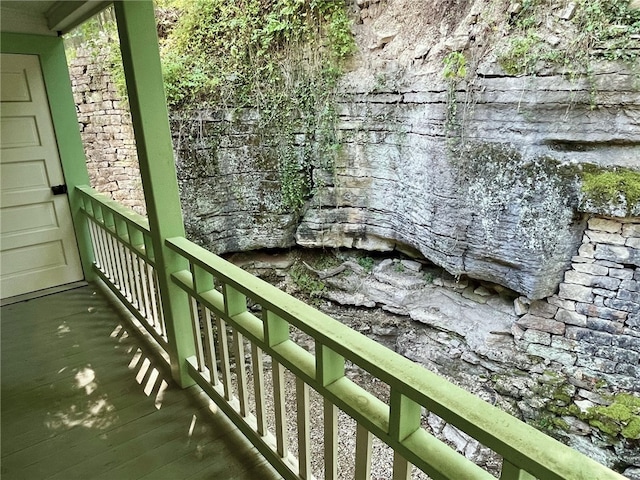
(49, 429)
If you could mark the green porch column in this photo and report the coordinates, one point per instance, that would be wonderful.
(143, 73)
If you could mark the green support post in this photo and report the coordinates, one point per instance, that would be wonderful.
(143, 74)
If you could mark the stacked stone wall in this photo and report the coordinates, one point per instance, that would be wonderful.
(592, 324)
(588, 334)
(105, 127)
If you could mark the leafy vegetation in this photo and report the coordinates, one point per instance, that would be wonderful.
(306, 282)
(252, 52)
(454, 71)
(367, 263)
(455, 66)
(621, 417)
(98, 37)
(601, 29)
(281, 58)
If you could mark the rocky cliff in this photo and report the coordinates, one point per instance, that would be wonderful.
(481, 173)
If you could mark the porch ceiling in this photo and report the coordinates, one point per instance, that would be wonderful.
(45, 17)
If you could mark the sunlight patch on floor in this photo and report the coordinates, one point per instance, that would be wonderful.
(85, 379)
(63, 329)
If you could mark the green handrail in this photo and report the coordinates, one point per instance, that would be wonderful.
(523, 448)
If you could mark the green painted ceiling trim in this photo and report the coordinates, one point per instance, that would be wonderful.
(65, 123)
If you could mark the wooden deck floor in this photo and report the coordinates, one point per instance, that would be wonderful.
(83, 399)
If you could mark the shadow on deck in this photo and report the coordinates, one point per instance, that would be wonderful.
(82, 398)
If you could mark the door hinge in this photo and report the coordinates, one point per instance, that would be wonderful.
(59, 189)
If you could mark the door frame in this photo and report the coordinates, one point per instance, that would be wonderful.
(55, 73)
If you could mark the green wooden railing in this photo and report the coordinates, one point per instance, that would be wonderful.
(124, 258)
(247, 331)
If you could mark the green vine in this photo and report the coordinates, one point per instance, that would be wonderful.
(600, 29)
(454, 71)
(280, 58)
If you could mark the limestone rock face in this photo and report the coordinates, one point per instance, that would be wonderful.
(499, 205)
(481, 175)
(493, 192)
(229, 186)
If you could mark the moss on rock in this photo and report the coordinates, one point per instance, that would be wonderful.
(621, 417)
(611, 187)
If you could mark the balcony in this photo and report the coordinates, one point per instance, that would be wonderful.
(83, 396)
(250, 360)
(149, 389)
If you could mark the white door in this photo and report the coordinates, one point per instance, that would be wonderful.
(38, 247)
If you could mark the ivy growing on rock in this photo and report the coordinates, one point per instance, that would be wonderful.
(595, 30)
(281, 58)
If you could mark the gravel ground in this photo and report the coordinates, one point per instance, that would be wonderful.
(382, 455)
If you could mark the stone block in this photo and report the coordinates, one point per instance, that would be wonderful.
(622, 355)
(630, 285)
(536, 336)
(550, 353)
(592, 396)
(609, 283)
(540, 308)
(631, 230)
(607, 238)
(627, 342)
(605, 313)
(564, 343)
(571, 318)
(604, 325)
(604, 225)
(624, 305)
(633, 242)
(622, 274)
(629, 296)
(561, 303)
(517, 332)
(521, 306)
(629, 370)
(578, 293)
(542, 324)
(578, 259)
(587, 250)
(613, 353)
(591, 268)
(608, 264)
(601, 293)
(589, 336)
(579, 278)
(618, 254)
(577, 427)
(469, 293)
(584, 405)
(595, 363)
(411, 265)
